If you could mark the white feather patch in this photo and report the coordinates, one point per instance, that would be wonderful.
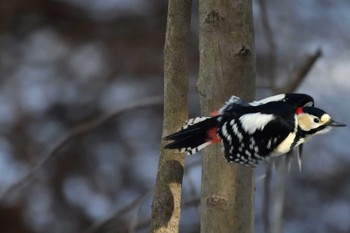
(268, 99)
(191, 151)
(255, 121)
(236, 132)
(193, 121)
(285, 145)
(231, 101)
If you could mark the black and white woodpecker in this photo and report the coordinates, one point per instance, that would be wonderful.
(254, 131)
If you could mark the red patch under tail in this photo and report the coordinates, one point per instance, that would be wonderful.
(212, 135)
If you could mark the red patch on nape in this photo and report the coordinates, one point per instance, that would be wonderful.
(215, 113)
(299, 110)
(213, 137)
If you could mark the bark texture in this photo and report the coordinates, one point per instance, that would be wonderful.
(227, 67)
(167, 193)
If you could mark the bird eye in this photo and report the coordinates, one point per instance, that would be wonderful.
(316, 120)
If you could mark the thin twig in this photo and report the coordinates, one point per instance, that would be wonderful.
(190, 181)
(280, 192)
(74, 133)
(117, 216)
(266, 199)
(271, 61)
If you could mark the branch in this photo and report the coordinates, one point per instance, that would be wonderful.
(74, 133)
(299, 74)
(296, 78)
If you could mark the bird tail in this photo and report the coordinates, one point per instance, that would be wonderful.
(196, 134)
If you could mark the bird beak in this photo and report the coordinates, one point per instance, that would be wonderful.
(335, 124)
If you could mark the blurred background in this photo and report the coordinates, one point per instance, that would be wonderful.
(66, 63)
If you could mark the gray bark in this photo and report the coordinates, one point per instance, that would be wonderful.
(227, 67)
(167, 193)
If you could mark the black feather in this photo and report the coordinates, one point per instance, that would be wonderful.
(192, 136)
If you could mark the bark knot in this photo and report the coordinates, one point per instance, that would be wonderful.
(216, 201)
(244, 51)
(213, 17)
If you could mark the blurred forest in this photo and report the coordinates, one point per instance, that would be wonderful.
(81, 82)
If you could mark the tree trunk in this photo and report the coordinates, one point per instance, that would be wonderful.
(167, 193)
(227, 67)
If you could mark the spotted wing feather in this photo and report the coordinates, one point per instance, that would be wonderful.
(249, 146)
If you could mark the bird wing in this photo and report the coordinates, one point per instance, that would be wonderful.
(252, 133)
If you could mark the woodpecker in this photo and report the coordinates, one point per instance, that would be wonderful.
(313, 121)
(254, 131)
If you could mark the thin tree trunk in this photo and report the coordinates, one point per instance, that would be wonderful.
(227, 67)
(167, 193)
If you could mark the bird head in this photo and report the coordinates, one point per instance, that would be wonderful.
(315, 121)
